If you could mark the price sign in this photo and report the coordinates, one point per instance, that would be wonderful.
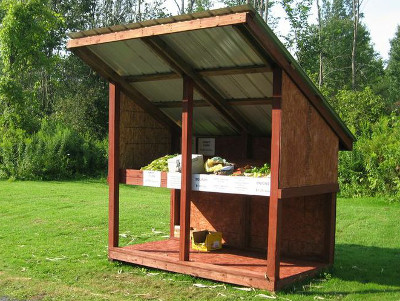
(152, 178)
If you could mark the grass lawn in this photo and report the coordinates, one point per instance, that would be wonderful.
(53, 246)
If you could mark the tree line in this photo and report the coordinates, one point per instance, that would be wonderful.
(53, 108)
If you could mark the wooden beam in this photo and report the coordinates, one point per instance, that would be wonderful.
(272, 50)
(113, 165)
(293, 192)
(174, 210)
(234, 70)
(232, 102)
(109, 74)
(161, 29)
(275, 204)
(203, 72)
(197, 269)
(254, 45)
(151, 77)
(330, 229)
(204, 88)
(186, 187)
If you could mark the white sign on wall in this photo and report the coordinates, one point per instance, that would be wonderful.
(223, 184)
(206, 146)
(151, 178)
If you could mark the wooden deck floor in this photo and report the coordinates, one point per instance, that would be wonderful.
(227, 265)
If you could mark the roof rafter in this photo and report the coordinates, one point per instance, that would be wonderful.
(203, 72)
(202, 86)
(105, 71)
(232, 102)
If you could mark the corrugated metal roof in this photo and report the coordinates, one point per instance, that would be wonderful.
(131, 57)
(163, 90)
(243, 85)
(216, 46)
(172, 19)
(213, 48)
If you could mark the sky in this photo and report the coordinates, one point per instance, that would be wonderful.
(380, 16)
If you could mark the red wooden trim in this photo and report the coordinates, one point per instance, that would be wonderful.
(330, 230)
(161, 29)
(275, 205)
(271, 49)
(292, 192)
(281, 283)
(113, 165)
(174, 210)
(186, 187)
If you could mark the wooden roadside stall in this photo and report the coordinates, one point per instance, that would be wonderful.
(224, 76)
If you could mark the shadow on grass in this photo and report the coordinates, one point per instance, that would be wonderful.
(371, 267)
(367, 264)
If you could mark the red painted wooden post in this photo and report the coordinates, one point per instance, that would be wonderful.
(275, 205)
(174, 210)
(331, 229)
(113, 165)
(186, 184)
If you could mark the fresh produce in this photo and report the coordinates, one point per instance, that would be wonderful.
(217, 165)
(258, 172)
(160, 164)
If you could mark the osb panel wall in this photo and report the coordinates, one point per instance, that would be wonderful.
(231, 148)
(304, 226)
(142, 138)
(309, 148)
(243, 220)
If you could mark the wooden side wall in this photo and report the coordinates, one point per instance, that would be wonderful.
(304, 227)
(142, 138)
(231, 148)
(243, 220)
(309, 148)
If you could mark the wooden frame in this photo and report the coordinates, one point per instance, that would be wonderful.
(113, 166)
(274, 269)
(275, 206)
(186, 186)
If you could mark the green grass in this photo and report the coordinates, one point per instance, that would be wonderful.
(53, 246)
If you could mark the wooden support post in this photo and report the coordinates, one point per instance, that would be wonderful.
(330, 229)
(186, 184)
(246, 145)
(275, 204)
(174, 210)
(113, 165)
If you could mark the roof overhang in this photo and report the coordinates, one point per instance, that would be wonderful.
(229, 53)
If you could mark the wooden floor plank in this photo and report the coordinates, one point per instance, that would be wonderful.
(227, 265)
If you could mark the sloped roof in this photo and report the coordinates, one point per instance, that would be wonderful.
(230, 54)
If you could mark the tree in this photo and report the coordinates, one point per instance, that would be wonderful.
(325, 50)
(393, 69)
(29, 41)
(297, 13)
(261, 6)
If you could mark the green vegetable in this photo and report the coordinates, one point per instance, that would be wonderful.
(160, 164)
(259, 172)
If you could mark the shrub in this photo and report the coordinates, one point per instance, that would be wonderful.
(373, 168)
(54, 152)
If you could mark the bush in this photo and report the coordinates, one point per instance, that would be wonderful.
(54, 152)
(373, 168)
